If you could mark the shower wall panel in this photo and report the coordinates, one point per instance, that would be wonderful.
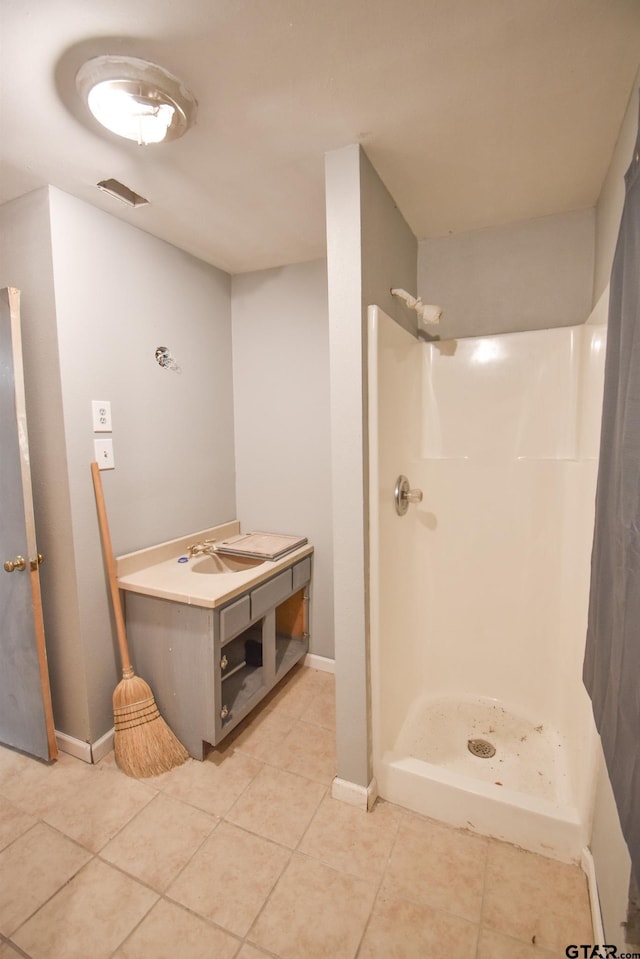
(480, 590)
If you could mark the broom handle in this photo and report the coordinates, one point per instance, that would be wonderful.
(111, 569)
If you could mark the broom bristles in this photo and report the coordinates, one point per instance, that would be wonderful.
(143, 743)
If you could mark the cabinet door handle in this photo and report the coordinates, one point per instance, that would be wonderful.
(224, 712)
(224, 662)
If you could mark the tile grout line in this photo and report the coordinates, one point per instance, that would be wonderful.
(156, 791)
(64, 885)
(17, 948)
(92, 855)
(483, 900)
(96, 855)
(293, 772)
(276, 842)
(245, 938)
(23, 834)
(407, 814)
(380, 882)
(143, 882)
(404, 817)
(164, 895)
(291, 852)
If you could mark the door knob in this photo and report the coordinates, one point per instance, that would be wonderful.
(403, 495)
(17, 563)
(34, 563)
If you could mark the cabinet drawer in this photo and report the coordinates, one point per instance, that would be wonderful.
(301, 574)
(235, 617)
(265, 597)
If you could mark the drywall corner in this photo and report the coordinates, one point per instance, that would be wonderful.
(370, 249)
(611, 200)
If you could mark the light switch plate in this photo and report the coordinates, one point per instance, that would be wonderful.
(101, 410)
(104, 454)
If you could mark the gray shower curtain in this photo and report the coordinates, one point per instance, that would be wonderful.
(612, 657)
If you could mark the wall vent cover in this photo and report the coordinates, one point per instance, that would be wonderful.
(121, 192)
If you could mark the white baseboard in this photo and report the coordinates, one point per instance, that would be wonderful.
(589, 869)
(362, 796)
(102, 746)
(320, 662)
(94, 752)
(74, 747)
(87, 752)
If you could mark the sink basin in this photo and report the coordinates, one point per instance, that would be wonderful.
(225, 564)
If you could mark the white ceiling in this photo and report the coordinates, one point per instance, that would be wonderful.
(474, 112)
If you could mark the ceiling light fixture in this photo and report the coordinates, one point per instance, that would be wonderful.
(136, 99)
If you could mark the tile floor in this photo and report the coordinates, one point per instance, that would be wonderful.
(246, 856)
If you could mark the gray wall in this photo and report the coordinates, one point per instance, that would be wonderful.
(120, 293)
(609, 206)
(389, 250)
(116, 294)
(282, 423)
(369, 250)
(611, 859)
(26, 263)
(527, 276)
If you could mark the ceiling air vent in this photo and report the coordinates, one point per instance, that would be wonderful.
(121, 192)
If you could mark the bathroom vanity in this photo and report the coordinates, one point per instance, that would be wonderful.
(213, 635)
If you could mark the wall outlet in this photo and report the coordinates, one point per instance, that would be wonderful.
(101, 410)
(104, 454)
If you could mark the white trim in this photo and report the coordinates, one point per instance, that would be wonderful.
(102, 746)
(93, 753)
(87, 752)
(320, 662)
(589, 868)
(74, 747)
(362, 796)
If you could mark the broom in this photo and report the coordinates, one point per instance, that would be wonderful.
(143, 743)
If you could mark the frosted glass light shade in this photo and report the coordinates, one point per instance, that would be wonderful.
(136, 99)
(129, 115)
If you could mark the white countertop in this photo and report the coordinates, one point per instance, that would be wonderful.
(155, 571)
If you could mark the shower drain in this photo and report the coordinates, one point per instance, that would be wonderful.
(481, 748)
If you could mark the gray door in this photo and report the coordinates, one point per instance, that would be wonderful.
(26, 719)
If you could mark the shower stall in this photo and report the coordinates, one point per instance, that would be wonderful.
(478, 593)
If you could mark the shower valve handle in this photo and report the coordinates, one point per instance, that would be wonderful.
(403, 495)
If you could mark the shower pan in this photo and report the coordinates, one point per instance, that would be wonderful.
(479, 590)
